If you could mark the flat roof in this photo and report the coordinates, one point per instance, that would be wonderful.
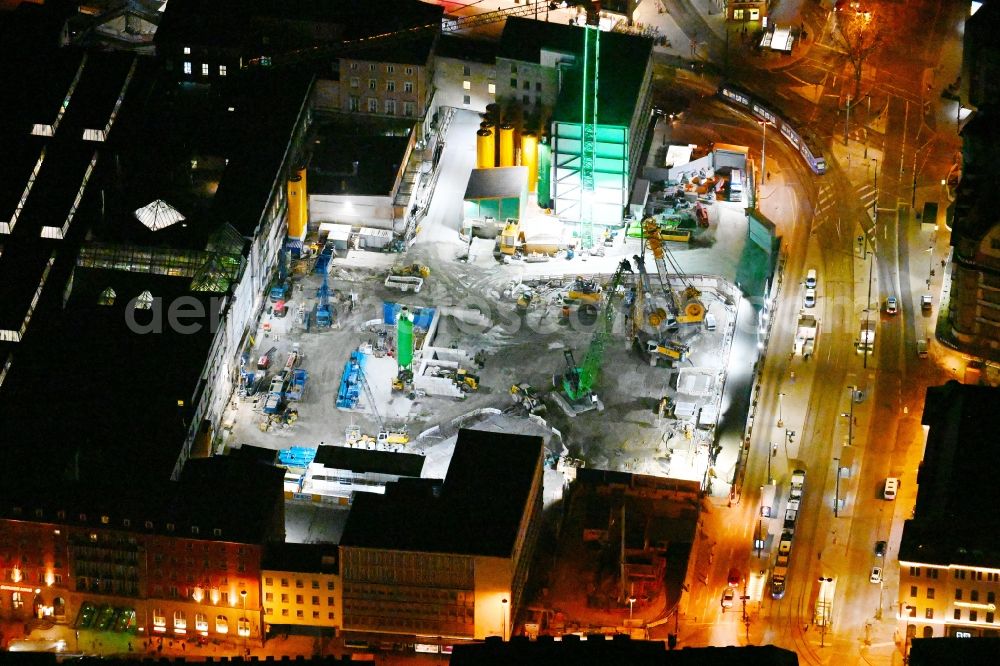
(956, 477)
(345, 163)
(621, 68)
(496, 183)
(302, 558)
(476, 511)
(365, 461)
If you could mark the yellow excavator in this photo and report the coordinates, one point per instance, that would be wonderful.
(584, 291)
(410, 270)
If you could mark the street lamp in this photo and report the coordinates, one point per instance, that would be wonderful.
(847, 121)
(826, 613)
(503, 610)
(631, 601)
(781, 422)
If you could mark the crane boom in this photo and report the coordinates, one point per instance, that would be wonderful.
(578, 383)
(686, 307)
(588, 132)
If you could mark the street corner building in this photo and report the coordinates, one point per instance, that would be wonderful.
(447, 558)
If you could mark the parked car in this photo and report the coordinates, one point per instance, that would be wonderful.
(727, 597)
(922, 347)
(891, 487)
(880, 548)
(876, 576)
(810, 301)
(811, 278)
(891, 305)
(735, 577)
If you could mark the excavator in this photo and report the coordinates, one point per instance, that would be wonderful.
(685, 306)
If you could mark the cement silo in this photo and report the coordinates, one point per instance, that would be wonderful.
(404, 339)
(485, 149)
(506, 145)
(529, 158)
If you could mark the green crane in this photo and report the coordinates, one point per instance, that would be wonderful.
(588, 130)
(578, 382)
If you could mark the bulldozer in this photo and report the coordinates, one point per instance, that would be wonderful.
(466, 381)
(410, 270)
(584, 291)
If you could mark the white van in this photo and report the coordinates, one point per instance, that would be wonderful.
(811, 278)
(891, 486)
(710, 321)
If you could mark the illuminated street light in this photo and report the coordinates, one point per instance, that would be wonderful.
(503, 610)
(246, 629)
(631, 601)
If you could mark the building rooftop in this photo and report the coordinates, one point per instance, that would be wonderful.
(251, 494)
(467, 48)
(497, 183)
(374, 462)
(345, 163)
(621, 68)
(476, 511)
(302, 558)
(962, 453)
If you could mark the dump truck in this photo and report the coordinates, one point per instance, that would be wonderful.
(805, 335)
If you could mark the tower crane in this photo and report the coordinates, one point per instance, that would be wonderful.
(685, 306)
(578, 380)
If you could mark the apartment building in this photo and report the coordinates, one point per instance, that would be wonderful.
(301, 587)
(465, 73)
(949, 567)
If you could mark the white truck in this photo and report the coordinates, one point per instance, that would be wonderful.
(805, 335)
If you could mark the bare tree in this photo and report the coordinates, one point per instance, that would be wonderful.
(860, 32)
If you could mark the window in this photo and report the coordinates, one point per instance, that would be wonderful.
(204, 69)
(180, 622)
(329, 601)
(911, 611)
(407, 109)
(187, 50)
(353, 103)
(929, 613)
(221, 624)
(200, 622)
(390, 86)
(372, 105)
(513, 69)
(737, 14)
(372, 84)
(959, 574)
(16, 601)
(315, 615)
(284, 612)
(269, 596)
(466, 70)
(225, 597)
(389, 69)
(958, 614)
(329, 584)
(973, 616)
(355, 82)
(932, 573)
(284, 598)
(989, 616)
(107, 297)
(354, 66)
(974, 595)
(930, 592)
(159, 619)
(187, 67)
(390, 107)
(979, 575)
(913, 590)
(958, 594)
(269, 581)
(492, 87)
(268, 611)
(991, 597)
(194, 530)
(526, 85)
(298, 583)
(329, 616)
(299, 614)
(315, 584)
(915, 571)
(222, 70)
(409, 70)
(315, 601)
(298, 598)
(526, 99)
(284, 582)
(466, 85)
(513, 83)
(408, 86)
(371, 67)
(466, 100)
(243, 627)
(538, 86)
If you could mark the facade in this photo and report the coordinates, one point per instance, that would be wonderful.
(949, 566)
(451, 558)
(465, 73)
(301, 586)
(160, 561)
(749, 14)
(973, 310)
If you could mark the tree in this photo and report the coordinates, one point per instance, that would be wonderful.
(860, 32)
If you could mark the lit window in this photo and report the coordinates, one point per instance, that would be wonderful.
(187, 50)
(492, 88)
(408, 87)
(201, 622)
(107, 297)
(243, 627)
(187, 68)
(355, 82)
(222, 70)
(408, 109)
(204, 69)
(180, 622)
(159, 620)
(372, 84)
(390, 86)
(390, 69)
(221, 624)
(390, 107)
(466, 85)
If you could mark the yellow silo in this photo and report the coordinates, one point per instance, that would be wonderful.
(298, 206)
(506, 145)
(529, 158)
(485, 151)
